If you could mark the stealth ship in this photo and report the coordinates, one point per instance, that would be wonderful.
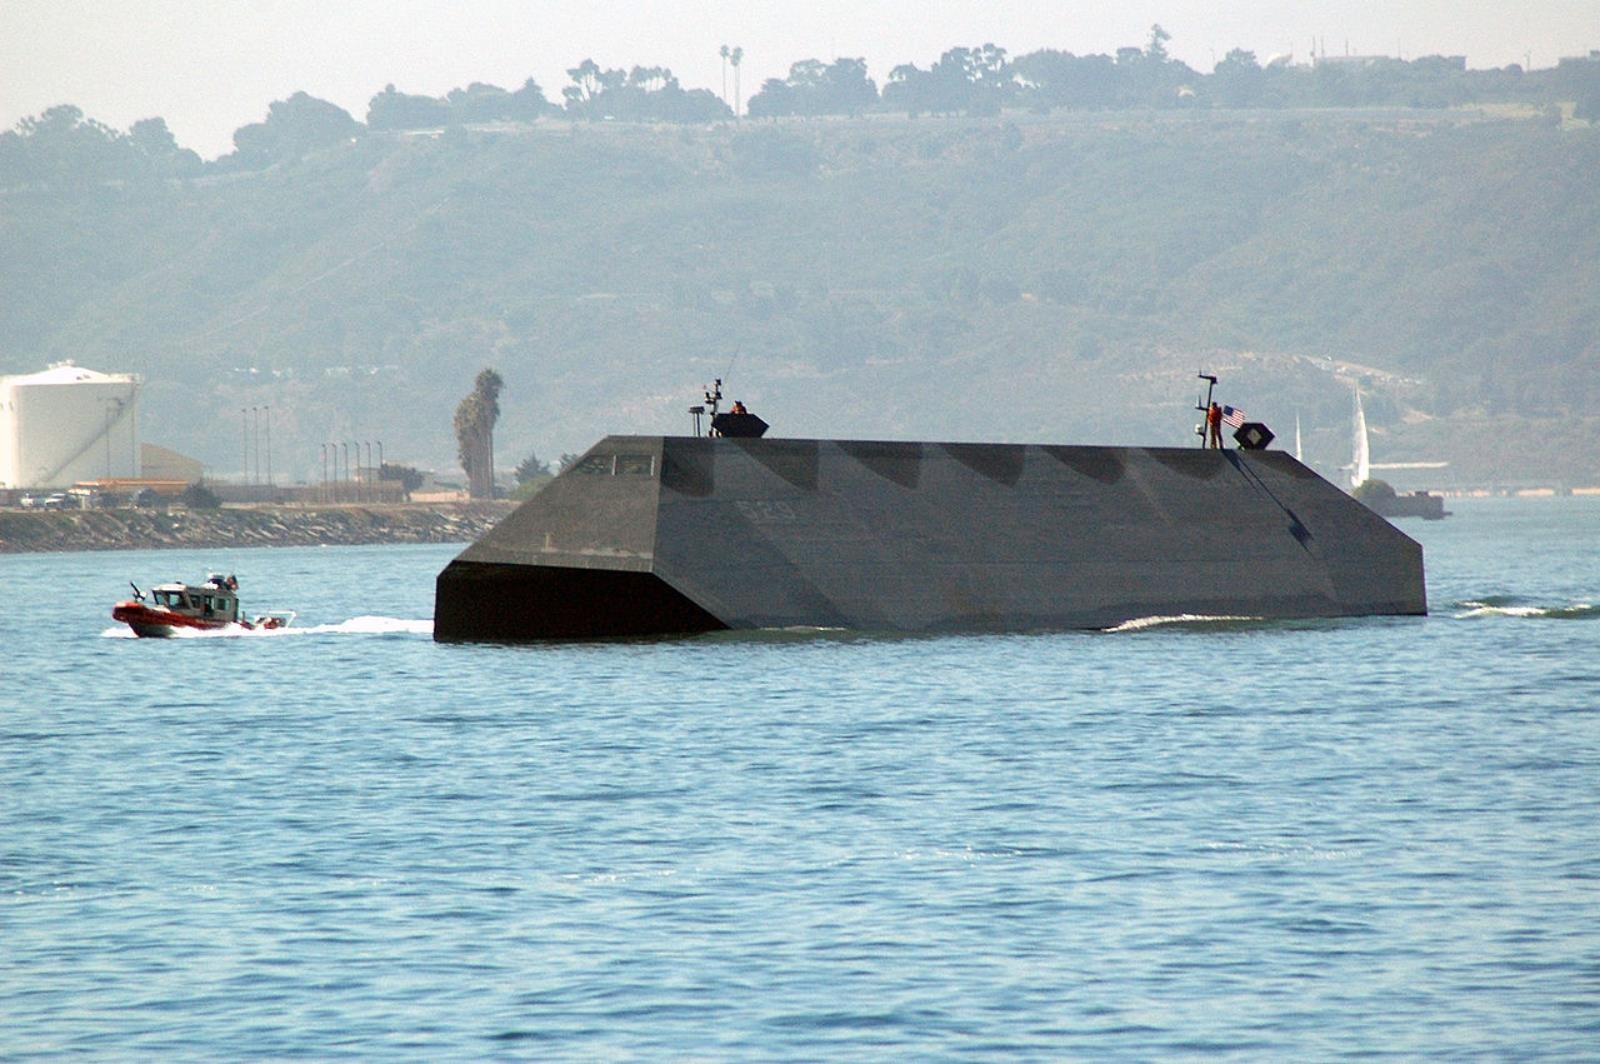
(654, 535)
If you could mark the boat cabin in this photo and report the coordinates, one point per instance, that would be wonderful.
(213, 600)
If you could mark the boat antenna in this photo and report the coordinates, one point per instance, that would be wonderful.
(1204, 405)
(713, 398)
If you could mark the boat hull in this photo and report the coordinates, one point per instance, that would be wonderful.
(662, 535)
(149, 622)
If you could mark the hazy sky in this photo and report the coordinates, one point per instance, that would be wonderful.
(210, 66)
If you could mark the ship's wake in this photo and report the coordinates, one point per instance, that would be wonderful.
(1516, 606)
(1140, 624)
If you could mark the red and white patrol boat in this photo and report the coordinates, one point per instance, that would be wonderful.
(176, 608)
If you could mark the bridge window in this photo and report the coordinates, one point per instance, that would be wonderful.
(636, 465)
(617, 465)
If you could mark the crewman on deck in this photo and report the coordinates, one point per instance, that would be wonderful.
(738, 408)
(1214, 427)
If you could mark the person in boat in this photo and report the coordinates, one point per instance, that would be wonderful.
(1214, 427)
(738, 408)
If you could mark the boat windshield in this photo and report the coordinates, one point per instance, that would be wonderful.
(172, 600)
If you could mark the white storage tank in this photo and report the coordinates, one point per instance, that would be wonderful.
(67, 424)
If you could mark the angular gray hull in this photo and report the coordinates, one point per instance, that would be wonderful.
(656, 535)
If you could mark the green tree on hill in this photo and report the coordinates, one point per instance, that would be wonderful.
(531, 476)
(294, 128)
(1238, 79)
(642, 94)
(1157, 48)
(155, 144)
(530, 468)
(964, 80)
(392, 109)
(815, 88)
(62, 148)
(1048, 79)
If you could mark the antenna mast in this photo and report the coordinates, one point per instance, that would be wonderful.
(1204, 405)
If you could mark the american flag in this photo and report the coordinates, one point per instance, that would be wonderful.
(1233, 416)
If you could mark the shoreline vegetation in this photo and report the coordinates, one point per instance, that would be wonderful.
(897, 256)
(23, 532)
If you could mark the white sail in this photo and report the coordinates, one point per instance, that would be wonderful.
(1361, 467)
(1298, 456)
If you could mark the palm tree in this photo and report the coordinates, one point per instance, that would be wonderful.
(724, 73)
(735, 57)
(474, 424)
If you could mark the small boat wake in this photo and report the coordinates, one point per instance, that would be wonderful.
(367, 625)
(1140, 624)
(1515, 606)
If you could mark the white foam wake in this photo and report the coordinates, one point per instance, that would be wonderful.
(1139, 624)
(367, 625)
(1576, 611)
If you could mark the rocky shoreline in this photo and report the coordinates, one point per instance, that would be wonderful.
(266, 526)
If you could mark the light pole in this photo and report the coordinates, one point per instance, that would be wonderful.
(345, 447)
(324, 492)
(244, 435)
(268, 410)
(135, 466)
(109, 405)
(380, 467)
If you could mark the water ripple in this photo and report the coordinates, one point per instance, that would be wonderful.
(1350, 838)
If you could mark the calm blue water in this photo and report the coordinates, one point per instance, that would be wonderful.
(1268, 841)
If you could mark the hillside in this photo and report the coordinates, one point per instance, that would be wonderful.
(1024, 277)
